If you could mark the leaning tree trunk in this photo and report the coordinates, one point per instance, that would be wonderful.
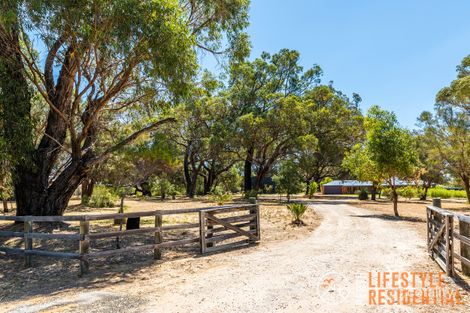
(34, 193)
(247, 170)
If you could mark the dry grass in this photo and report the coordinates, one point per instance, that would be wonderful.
(50, 275)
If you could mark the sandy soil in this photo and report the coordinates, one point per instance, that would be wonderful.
(411, 212)
(285, 276)
(50, 276)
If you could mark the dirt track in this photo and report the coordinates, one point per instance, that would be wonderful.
(283, 277)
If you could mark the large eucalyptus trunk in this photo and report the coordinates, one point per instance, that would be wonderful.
(191, 187)
(39, 190)
(34, 197)
(191, 172)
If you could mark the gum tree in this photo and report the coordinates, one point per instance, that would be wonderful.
(457, 93)
(276, 135)
(103, 70)
(389, 151)
(336, 122)
(288, 179)
(432, 167)
(359, 164)
(448, 131)
(255, 89)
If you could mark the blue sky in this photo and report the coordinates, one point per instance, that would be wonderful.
(395, 53)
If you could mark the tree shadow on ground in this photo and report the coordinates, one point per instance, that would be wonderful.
(48, 276)
(392, 218)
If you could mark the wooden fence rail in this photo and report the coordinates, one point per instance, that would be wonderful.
(443, 240)
(210, 238)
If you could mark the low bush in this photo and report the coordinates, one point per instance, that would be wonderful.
(297, 210)
(312, 189)
(363, 195)
(387, 193)
(408, 192)
(251, 194)
(439, 192)
(102, 197)
(219, 196)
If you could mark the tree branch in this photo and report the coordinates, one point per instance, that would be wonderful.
(131, 138)
(49, 64)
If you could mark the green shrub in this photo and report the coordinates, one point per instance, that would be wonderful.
(408, 192)
(297, 210)
(251, 194)
(289, 180)
(102, 198)
(86, 200)
(439, 192)
(163, 187)
(219, 196)
(312, 189)
(387, 193)
(363, 195)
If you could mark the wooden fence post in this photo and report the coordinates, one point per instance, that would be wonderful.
(452, 241)
(84, 246)
(28, 242)
(464, 230)
(157, 252)
(428, 229)
(449, 244)
(202, 231)
(255, 227)
(258, 223)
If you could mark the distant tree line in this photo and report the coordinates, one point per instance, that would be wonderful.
(106, 93)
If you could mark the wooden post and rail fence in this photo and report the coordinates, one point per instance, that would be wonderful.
(447, 244)
(214, 232)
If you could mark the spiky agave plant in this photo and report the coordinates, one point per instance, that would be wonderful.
(297, 210)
